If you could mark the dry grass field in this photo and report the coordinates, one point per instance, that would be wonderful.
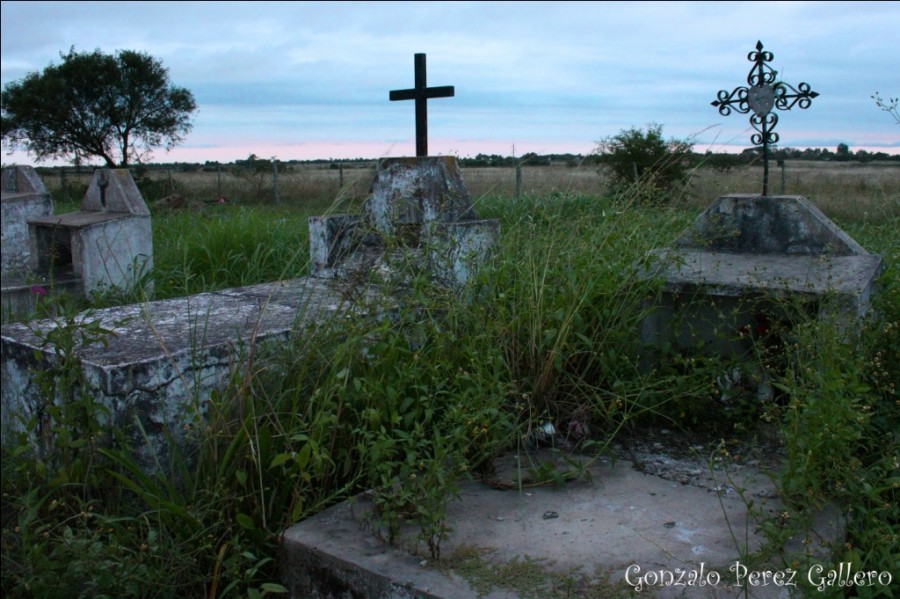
(843, 190)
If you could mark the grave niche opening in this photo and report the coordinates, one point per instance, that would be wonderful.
(54, 246)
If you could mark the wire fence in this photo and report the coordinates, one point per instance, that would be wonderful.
(276, 184)
(286, 183)
(872, 187)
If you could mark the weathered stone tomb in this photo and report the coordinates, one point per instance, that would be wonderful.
(24, 197)
(107, 244)
(164, 359)
(420, 215)
(745, 259)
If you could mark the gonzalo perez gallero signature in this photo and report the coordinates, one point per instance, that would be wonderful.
(817, 576)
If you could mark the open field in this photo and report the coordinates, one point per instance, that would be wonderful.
(843, 190)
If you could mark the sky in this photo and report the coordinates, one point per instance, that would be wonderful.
(308, 80)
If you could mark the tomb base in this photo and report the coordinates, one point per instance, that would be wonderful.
(599, 539)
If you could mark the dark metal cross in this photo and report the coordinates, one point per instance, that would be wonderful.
(761, 97)
(421, 93)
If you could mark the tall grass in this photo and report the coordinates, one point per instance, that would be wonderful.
(227, 246)
(406, 404)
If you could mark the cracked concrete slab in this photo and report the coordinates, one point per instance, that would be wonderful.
(623, 525)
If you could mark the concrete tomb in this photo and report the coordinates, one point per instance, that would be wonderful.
(743, 261)
(164, 359)
(420, 214)
(24, 197)
(108, 244)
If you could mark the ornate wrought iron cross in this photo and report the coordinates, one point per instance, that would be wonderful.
(421, 93)
(761, 97)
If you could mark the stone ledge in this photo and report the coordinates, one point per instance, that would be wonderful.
(729, 274)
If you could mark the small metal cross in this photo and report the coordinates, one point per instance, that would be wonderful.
(421, 93)
(761, 97)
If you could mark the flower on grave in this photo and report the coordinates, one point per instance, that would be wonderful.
(38, 290)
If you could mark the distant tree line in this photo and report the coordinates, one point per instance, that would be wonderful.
(841, 154)
(529, 159)
(717, 160)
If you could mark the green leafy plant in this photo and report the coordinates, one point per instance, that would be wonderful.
(68, 419)
(636, 156)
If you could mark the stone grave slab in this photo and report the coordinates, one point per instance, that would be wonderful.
(624, 523)
(164, 358)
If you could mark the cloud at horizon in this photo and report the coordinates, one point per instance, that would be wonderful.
(310, 80)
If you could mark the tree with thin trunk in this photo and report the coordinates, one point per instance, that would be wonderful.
(115, 107)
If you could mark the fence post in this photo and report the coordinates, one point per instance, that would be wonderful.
(518, 180)
(781, 164)
(340, 175)
(64, 184)
(218, 181)
(171, 185)
(275, 179)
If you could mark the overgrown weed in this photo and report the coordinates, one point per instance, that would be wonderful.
(406, 404)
